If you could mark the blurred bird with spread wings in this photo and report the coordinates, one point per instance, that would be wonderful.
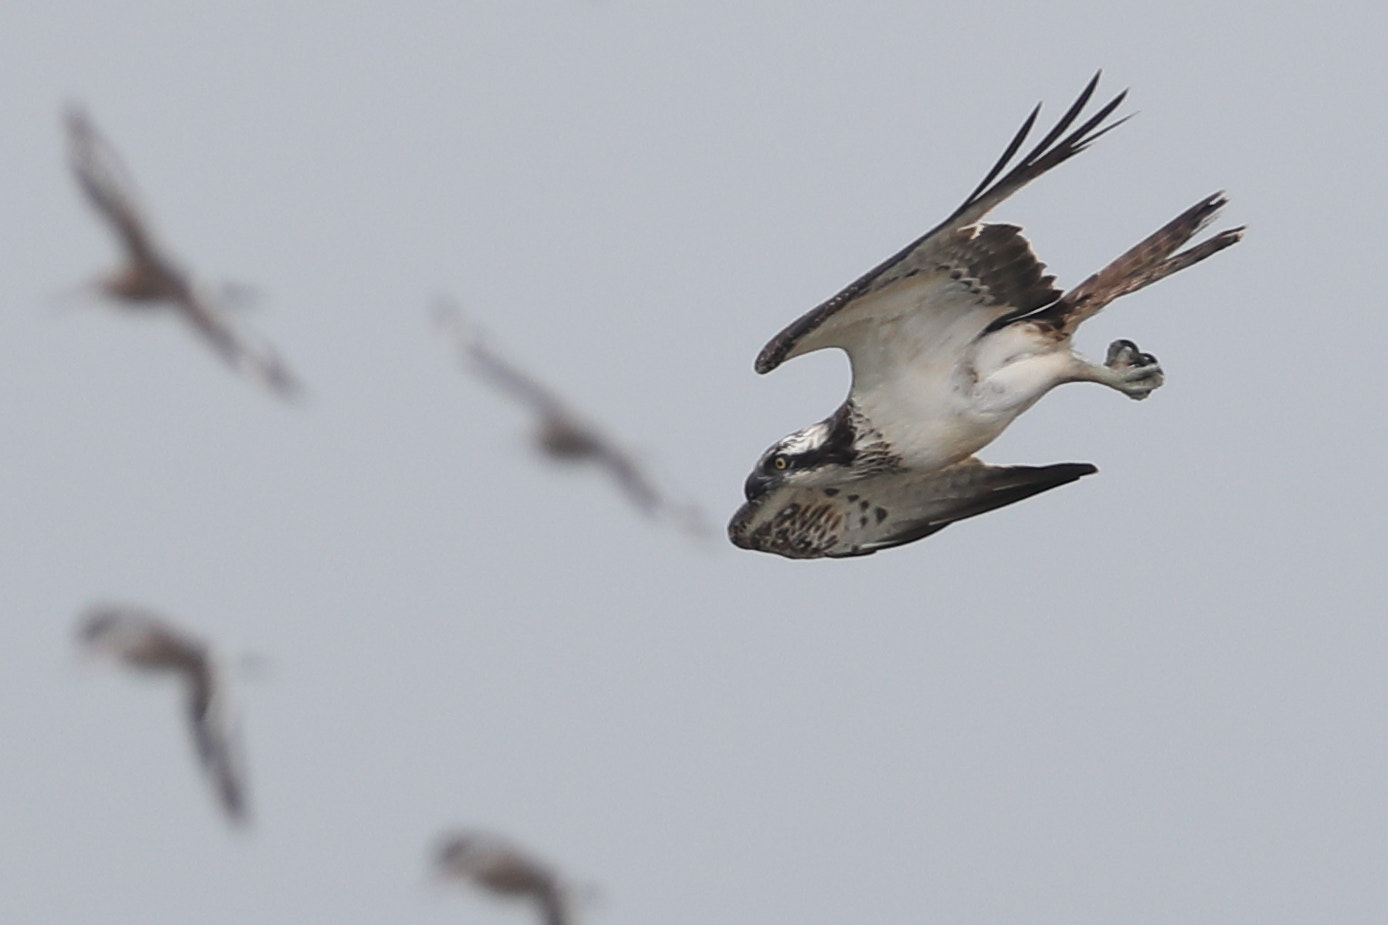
(494, 864)
(949, 341)
(149, 277)
(146, 642)
(560, 433)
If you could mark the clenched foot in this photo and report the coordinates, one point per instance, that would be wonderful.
(1133, 372)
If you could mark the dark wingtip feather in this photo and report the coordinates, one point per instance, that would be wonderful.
(1072, 471)
(1050, 151)
(1069, 117)
(1007, 154)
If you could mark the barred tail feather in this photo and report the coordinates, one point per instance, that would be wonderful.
(1151, 260)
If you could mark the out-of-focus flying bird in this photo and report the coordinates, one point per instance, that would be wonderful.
(149, 277)
(560, 433)
(147, 642)
(949, 341)
(494, 864)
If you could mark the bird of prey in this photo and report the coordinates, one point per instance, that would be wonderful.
(560, 433)
(494, 864)
(146, 642)
(949, 341)
(149, 277)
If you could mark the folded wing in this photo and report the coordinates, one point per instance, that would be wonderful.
(888, 510)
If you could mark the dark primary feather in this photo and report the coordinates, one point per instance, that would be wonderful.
(1046, 155)
(1051, 151)
(219, 760)
(214, 741)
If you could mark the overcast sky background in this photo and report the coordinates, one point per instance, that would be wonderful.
(1156, 695)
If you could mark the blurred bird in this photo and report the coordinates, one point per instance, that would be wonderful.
(148, 643)
(496, 865)
(560, 434)
(149, 278)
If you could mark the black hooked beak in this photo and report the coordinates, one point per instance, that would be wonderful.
(758, 484)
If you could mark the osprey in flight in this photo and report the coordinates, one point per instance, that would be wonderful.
(950, 340)
(148, 643)
(149, 277)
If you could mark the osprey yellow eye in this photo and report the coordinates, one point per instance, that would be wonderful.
(780, 462)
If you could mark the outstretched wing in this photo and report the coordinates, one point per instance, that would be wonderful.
(238, 347)
(958, 273)
(217, 743)
(492, 366)
(107, 184)
(863, 516)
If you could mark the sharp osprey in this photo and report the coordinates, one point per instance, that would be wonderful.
(949, 341)
(146, 642)
(149, 277)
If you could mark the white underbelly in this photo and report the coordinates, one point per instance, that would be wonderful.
(929, 421)
(939, 402)
(935, 419)
(929, 444)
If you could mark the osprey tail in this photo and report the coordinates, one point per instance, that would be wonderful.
(1147, 262)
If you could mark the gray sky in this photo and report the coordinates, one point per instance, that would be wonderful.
(1156, 695)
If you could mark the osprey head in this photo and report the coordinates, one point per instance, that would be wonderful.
(820, 453)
